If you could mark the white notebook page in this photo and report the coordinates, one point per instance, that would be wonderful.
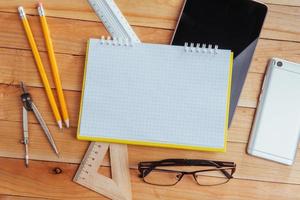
(155, 93)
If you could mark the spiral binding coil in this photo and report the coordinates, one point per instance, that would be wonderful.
(188, 48)
(198, 48)
(116, 41)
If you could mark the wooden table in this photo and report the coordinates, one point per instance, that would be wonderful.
(72, 24)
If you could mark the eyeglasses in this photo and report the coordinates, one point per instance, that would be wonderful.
(210, 173)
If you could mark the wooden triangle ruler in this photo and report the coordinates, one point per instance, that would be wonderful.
(118, 187)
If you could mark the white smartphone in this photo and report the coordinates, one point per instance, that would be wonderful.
(276, 128)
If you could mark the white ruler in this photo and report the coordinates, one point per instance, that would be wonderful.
(113, 19)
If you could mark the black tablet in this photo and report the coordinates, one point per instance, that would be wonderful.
(230, 24)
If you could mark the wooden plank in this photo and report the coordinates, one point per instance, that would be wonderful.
(11, 197)
(251, 90)
(16, 65)
(12, 34)
(72, 151)
(9, 98)
(11, 109)
(283, 2)
(267, 49)
(12, 106)
(40, 181)
(150, 13)
(282, 21)
(248, 167)
(12, 62)
(165, 11)
(241, 125)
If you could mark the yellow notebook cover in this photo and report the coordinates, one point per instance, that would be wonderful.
(156, 95)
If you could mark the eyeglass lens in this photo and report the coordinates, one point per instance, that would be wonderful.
(158, 177)
(215, 177)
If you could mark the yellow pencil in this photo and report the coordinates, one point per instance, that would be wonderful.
(40, 66)
(54, 67)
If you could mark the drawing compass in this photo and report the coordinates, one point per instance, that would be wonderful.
(28, 106)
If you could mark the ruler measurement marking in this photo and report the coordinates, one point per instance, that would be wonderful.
(113, 19)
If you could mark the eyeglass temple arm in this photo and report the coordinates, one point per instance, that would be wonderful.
(186, 162)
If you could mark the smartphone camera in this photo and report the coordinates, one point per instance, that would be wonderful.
(279, 64)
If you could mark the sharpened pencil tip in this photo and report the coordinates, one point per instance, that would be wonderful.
(67, 122)
(59, 124)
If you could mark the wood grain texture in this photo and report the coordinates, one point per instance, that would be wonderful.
(40, 181)
(267, 49)
(154, 21)
(11, 111)
(281, 22)
(16, 65)
(66, 35)
(13, 70)
(11, 76)
(19, 63)
(12, 105)
(283, 2)
(249, 167)
(13, 197)
(73, 150)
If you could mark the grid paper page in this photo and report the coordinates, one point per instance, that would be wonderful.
(155, 93)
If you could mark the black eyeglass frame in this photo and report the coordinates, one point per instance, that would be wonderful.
(145, 168)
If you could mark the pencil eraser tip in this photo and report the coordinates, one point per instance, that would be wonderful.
(20, 8)
(40, 4)
(21, 12)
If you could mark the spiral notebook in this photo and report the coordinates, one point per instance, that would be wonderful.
(156, 95)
